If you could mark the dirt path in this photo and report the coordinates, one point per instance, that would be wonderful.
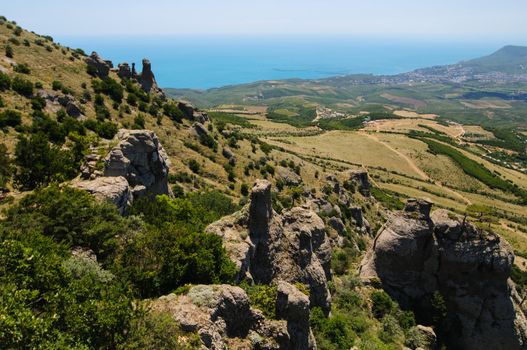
(410, 162)
(418, 170)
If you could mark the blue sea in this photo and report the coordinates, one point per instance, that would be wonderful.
(202, 62)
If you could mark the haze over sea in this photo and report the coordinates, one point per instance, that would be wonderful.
(202, 62)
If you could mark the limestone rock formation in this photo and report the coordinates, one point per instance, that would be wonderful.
(198, 129)
(268, 247)
(147, 80)
(135, 167)
(360, 177)
(288, 176)
(124, 71)
(417, 254)
(140, 158)
(114, 189)
(224, 319)
(99, 67)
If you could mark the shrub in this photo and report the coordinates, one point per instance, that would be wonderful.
(10, 118)
(106, 130)
(382, 304)
(109, 87)
(56, 85)
(173, 112)
(263, 298)
(9, 52)
(5, 81)
(22, 86)
(139, 122)
(17, 31)
(194, 166)
(38, 103)
(22, 68)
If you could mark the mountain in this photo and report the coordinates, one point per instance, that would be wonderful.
(509, 59)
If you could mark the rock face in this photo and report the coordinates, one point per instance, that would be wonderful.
(135, 167)
(100, 67)
(268, 247)
(147, 79)
(417, 254)
(140, 158)
(124, 71)
(224, 319)
(114, 189)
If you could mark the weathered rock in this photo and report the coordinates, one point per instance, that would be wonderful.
(101, 68)
(288, 176)
(198, 129)
(124, 71)
(416, 255)
(337, 225)
(113, 189)
(140, 158)
(221, 314)
(267, 247)
(187, 109)
(73, 110)
(293, 306)
(360, 177)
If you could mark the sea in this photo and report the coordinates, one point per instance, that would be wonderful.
(203, 62)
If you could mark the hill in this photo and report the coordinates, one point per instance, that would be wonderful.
(131, 220)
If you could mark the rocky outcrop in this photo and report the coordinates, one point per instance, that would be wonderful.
(360, 178)
(223, 318)
(135, 167)
(140, 158)
(197, 129)
(98, 67)
(147, 80)
(268, 247)
(417, 255)
(288, 176)
(192, 113)
(114, 189)
(124, 71)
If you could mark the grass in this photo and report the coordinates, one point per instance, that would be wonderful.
(229, 118)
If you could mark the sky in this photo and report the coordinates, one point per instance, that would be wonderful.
(476, 20)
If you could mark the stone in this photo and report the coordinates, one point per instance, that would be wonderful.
(360, 177)
(417, 254)
(288, 176)
(197, 129)
(101, 68)
(337, 225)
(267, 247)
(227, 153)
(221, 315)
(187, 109)
(73, 110)
(141, 159)
(124, 71)
(113, 189)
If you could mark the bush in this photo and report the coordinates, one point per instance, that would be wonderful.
(38, 103)
(9, 52)
(22, 68)
(382, 304)
(10, 118)
(109, 87)
(5, 81)
(17, 31)
(194, 166)
(263, 297)
(22, 86)
(173, 112)
(106, 130)
(56, 85)
(139, 122)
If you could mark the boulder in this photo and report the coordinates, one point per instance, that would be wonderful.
(197, 129)
(417, 255)
(221, 315)
(268, 247)
(147, 80)
(337, 225)
(113, 189)
(101, 68)
(288, 176)
(140, 158)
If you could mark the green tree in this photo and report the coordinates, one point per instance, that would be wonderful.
(38, 163)
(5, 166)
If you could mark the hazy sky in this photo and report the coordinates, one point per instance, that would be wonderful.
(444, 19)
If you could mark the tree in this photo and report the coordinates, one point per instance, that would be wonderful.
(5, 166)
(39, 163)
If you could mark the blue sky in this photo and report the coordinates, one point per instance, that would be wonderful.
(435, 19)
